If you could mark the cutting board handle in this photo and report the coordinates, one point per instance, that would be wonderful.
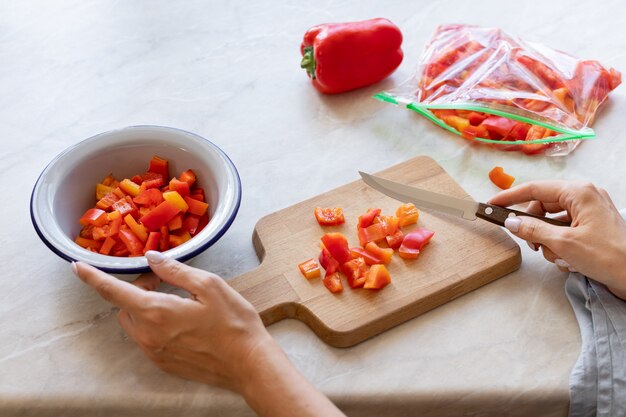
(269, 292)
(272, 296)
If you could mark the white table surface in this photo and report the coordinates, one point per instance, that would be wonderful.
(230, 71)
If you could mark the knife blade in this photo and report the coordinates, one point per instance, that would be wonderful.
(466, 209)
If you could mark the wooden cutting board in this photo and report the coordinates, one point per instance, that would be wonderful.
(462, 256)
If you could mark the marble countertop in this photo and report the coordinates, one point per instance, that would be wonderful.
(230, 71)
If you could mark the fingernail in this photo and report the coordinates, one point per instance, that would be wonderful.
(155, 257)
(512, 223)
(560, 262)
(533, 246)
(74, 268)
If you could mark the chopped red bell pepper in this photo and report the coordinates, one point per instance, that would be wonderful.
(177, 240)
(499, 125)
(149, 197)
(190, 224)
(329, 216)
(106, 202)
(100, 232)
(181, 187)
(161, 214)
(153, 180)
(390, 224)
(132, 242)
(138, 229)
(159, 166)
(395, 240)
(384, 254)
(123, 206)
(472, 132)
(377, 277)
(414, 242)
(87, 231)
(354, 271)
(476, 118)
(366, 219)
(114, 225)
(526, 80)
(107, 245)
(88, 243)
(109, 181)
(337, 258)
(333, 282)
(119, 193)
(95, 217)
(134, 211)
(372, 233)
(196, 207)
(337, 246)
(519, 131)
(534, 133)
(369, 258)
(152, 243)
(198, 194)
(327, 262)
(164, 241)
(204, 220)
(189, 177)
(340, 57)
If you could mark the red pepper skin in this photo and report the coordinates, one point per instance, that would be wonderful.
(159, 216)
(341, 57)
(333, 282)
(414, 242)
(366, 219)
(329, 263)
(337, 246)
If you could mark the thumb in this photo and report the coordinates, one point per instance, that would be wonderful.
(531, 229)
(192, 280)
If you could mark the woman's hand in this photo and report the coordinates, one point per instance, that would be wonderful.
(215, 336)
(594, 245)
(208, 337)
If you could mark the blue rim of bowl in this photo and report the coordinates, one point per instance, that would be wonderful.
(139, 270)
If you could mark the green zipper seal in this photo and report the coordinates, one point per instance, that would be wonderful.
(424, 110)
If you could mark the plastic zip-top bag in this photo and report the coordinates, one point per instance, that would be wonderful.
(490, 87)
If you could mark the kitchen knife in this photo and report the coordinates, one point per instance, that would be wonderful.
(466, 209)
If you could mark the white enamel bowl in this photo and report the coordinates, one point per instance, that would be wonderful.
(66, 188)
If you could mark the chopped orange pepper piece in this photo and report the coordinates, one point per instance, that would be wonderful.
(329, 216)
(408, 214)
(500, 178)
(377, 277)
(310, 269)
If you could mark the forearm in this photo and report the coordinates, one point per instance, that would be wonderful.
(276, 388)
(615, 261)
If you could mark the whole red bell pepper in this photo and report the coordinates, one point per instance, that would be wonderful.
(341, 57)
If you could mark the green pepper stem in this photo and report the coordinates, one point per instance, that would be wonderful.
(308, 61)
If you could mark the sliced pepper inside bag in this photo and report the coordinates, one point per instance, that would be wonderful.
(490, 87)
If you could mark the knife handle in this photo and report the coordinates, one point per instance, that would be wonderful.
(497, 215)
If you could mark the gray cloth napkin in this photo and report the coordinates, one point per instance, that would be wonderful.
(598, 380)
